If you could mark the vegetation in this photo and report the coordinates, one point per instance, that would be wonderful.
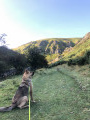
(77, 61)
(35, 59)
(19, 62)
(61, 92)
(52, 58)
(11, 59)
(57, 51)
(60, 62)
(51, 48)
(2, 39)
(78, 50)
(81, 60)
(63, 49)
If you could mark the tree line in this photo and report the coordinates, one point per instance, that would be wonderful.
(10, 59)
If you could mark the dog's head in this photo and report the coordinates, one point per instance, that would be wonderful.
(27, 75)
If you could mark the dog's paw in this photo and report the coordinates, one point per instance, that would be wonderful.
(33, 101)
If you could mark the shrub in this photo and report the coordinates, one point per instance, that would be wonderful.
(19, 62)
(35, 59)
(11, 59)
(80, 61)
(70, 62)
(57, 63)
(3, 66)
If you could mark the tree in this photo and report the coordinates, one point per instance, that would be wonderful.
(3, 67)
(11, 59)
(35, 59)
(18, 61)
(2, 39)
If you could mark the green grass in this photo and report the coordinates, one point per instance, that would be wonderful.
(52, 57)
(78, 50)
(7, 91)
(61, 93)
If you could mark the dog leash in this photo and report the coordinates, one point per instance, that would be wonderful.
(29, 102)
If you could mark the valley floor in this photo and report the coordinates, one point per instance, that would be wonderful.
(61, 93)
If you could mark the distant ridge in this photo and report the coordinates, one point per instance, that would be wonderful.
(87, 36)
(79, 49)
(59, 48)
(51, 45)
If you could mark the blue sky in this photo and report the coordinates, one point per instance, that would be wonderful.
(27, 20)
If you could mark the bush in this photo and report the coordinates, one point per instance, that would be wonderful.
(87, 56)
(80, 61)
(19, 62)
(3, 66)
(57, 63)
(35, 59)
(70, 62)
(11, 59)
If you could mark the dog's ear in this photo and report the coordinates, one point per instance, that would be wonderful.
(32, 73)
(26, 71)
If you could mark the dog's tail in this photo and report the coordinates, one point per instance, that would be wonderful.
(5, 109)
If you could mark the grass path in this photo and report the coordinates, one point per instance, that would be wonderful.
(61, 93)
(59, 96)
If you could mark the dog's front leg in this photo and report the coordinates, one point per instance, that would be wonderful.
(31, 94)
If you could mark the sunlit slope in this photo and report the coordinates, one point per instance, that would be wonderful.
(51, 45)
(52, 48)
(78, 50)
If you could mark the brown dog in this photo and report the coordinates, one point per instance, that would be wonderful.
(21, 96)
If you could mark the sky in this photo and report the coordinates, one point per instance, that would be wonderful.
(28, 20)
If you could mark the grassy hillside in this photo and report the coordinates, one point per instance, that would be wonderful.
(47, 43)
(56, 49)
(52, 47)
(78, 50)
(61, 93)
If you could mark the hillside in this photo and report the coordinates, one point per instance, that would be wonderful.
(79, 49)
(10, 59)
(4, 52)
(56, 49)
(52, 48)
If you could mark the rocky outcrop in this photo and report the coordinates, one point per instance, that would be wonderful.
(54, 46)
(87, 36)
(43, 43)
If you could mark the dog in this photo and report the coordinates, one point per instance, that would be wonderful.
(21, 97)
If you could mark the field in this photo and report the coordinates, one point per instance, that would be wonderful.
(61, 93)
